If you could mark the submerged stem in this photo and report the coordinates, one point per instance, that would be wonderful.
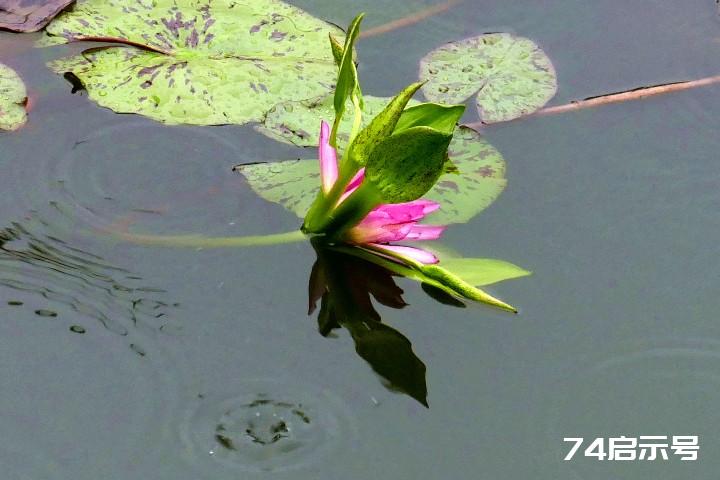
(411, 19)
(200, 241)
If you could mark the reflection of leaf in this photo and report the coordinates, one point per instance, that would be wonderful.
(512, 75)
(12, 99)
(294, 184)
(441, 296)
(29, 15)
(204, 62)
(390, 355)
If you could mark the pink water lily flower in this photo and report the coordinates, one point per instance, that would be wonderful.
(386, 223)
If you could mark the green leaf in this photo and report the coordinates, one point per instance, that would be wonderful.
(483, 271)
(12, 99)
(434, 115)
(481, 178)
(202, 62)
(404, 166)
(511, 75)
(381, 126)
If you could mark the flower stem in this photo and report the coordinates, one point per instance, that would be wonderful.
(200, 241)
(357, 119)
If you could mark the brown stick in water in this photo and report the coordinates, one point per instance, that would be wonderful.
(628, 95)
(412, 19)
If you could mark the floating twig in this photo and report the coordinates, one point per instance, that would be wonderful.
(412, 19)
(617, 97)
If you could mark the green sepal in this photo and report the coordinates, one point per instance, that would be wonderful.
(483, 271)
(380, 127)
(435, 115)
(434, 275)
(334, 223)
(404, 166)
(453, 284)
(337, 49)
(347, 82)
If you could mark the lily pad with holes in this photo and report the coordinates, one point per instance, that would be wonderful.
(12, 99)
(201, 62)
(29, 15)
(511, 75)
(481, 178)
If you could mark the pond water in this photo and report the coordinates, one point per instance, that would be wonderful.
(126, 361)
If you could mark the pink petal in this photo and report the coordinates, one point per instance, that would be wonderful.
(422, 256)
(379, 234)
(424, 232)
(353, 185)
(409, 211)
(328, 159)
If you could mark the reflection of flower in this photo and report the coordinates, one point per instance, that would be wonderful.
(347, 288)
(385, 223)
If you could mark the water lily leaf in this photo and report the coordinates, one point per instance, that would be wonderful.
(290, 183)
(12, 99)
(479, 181)
(29, 15)
(298, 123)
(202, 62)
(511, 75)
(481, 178)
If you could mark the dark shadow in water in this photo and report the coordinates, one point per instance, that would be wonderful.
(344, 285)
(36, 262)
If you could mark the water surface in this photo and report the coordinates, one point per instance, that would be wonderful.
(615, 210)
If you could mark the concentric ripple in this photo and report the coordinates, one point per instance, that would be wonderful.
(267, 426)
(59, 281)
(142, 173)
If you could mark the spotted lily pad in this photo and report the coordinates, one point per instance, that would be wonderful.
(481, 178)
(29, 15)
(298, 123)
(202, 62)
(12, 99)
(511, 75)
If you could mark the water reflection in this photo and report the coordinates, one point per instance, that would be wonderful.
(35, 264)
(345, 285)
